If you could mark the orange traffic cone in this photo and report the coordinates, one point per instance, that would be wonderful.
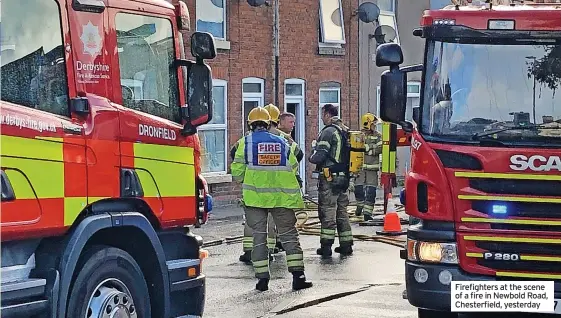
(392, 222)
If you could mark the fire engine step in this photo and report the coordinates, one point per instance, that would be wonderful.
(23, 289)
(23, 297)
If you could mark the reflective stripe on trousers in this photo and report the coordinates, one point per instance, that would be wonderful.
(247, 240)
(333, 215)
(285, 220)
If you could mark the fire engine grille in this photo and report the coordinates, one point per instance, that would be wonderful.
(538, 258)
(516, 202)
(522, 209)
(546, 188)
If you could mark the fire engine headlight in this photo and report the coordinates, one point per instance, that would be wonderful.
(432, 252)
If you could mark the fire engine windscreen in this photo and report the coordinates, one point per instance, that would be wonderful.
(33, 71)
(475, 88)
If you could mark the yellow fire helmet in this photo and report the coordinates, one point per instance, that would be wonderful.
(368, 120)
(258, 114)
(274, 112)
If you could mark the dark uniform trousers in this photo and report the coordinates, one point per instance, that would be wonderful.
(247, 240)
(365, 191)
(333, 214)
(285, 220)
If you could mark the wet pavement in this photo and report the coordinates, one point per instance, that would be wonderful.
(370, 282)
(367, 284)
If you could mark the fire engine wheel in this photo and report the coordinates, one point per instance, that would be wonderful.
(109, 284)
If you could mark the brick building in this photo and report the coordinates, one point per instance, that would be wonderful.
(318, 63)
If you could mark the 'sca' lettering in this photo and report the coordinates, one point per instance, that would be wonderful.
(535, 163)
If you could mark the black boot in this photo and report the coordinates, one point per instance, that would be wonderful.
(344, 250)
(262, 284)
(299, 281)
(358, 211)
(324, 251)
(246, 257)
(368, 217)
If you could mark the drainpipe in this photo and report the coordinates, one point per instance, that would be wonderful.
(276, 52)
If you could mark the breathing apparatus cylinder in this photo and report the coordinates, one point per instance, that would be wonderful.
(357, 151)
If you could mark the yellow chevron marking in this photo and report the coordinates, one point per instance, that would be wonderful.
(516, 176)
(509, 199)
(528, 275)
(512, 239)
(512, 221)
(524, 257)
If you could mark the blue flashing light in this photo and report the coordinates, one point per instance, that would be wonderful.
(499, 209)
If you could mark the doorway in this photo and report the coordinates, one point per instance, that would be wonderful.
(296, 107)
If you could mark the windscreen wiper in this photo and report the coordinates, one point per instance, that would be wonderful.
(476, 136)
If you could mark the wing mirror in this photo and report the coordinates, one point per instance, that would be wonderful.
(198, 83)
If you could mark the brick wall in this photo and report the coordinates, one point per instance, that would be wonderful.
(250, 33)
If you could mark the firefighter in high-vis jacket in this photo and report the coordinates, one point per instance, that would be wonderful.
(331, 157)
(266, 167)
(273, 242)
(364, 186)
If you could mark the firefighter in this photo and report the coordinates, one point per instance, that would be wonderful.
(266, 168)
(275, 124)
(286, 123)
(331, 157)
(364, 186)
(247, 240)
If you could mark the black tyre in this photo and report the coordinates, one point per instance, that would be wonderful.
(109, 284)
(425, 313)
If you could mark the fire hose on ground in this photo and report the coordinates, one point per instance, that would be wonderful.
(307, 225)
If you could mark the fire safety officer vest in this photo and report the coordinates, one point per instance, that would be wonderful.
(267, 169)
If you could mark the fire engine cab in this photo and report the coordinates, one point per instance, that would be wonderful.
(485, 177)
(100, 160)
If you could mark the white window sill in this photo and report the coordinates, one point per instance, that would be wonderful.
(217, 178)
(222, 44)
(334, 45)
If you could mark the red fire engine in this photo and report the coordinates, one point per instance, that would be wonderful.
(101, 160)
(485, 177)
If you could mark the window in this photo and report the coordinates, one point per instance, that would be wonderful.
(253, 95)
(439, 4)
(33, 69)
(213, 136)
(388, 5)
(211, 17)
(331, 21)
(146, 53)
(387, 16)
(329, 93)
(413, 100)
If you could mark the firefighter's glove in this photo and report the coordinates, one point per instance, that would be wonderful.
(300, 182)
(352, 185)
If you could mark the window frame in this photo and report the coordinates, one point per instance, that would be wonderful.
(338, 104)
(220, 127)
(395, 26)
(252, 97)
(178, 118)
(321, 25)
(224, 21)
(394, 8)
(295, 81)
